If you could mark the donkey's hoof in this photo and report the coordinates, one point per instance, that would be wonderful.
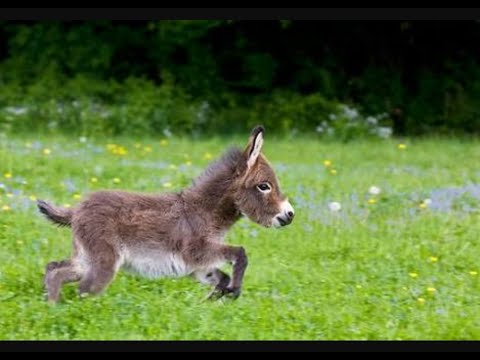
(217, 293)
(233, 293)
(52, 302)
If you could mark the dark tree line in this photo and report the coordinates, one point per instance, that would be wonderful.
(425, 74)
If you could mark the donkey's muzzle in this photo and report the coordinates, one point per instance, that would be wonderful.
(286, 218)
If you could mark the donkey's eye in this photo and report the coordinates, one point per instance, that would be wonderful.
(264, 187)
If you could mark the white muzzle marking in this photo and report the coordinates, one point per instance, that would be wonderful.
(285, 216)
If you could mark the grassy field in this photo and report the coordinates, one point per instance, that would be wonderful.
(401, 264)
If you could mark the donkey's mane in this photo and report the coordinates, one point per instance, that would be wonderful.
(225, 166)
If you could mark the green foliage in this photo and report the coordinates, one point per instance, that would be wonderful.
(290, 113)
(87, 106)
(287, 111)
(46, 45)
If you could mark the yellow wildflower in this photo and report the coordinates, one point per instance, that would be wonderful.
(120, 150)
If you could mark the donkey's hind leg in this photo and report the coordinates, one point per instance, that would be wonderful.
(101, 271)
(57, 274)
(52, 266)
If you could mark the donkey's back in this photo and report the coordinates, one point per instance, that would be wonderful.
(133, 218)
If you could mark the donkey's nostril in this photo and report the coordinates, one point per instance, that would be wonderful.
(290, 213)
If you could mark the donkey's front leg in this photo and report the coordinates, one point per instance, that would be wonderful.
(236, 255)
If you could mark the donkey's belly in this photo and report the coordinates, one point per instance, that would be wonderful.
(155, 264)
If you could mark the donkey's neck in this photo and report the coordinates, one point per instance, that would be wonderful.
(211, 193)
(215, 204)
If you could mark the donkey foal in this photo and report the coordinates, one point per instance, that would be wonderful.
(171, 234)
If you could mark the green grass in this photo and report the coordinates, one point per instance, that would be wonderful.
(330, 275)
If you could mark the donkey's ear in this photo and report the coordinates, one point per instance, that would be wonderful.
(254, 146)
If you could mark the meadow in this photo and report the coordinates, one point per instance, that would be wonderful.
(384, 244)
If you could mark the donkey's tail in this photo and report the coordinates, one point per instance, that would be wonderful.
(57, 215)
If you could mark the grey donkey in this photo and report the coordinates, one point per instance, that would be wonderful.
(171, 234)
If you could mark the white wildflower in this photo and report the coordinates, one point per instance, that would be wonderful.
(334, 206)
(16, 110)
(384, 132)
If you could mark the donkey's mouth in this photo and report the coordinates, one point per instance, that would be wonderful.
(279, 221)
